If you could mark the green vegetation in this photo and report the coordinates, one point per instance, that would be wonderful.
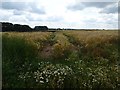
(64, 59)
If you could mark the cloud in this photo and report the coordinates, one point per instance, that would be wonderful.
(43, 12)
(97, 4)
(77, 6)
(19, 18)
(16, 12)
(23, 6)
(54, 18)
(4, 16)
(83, 5)
(33, 18)
(105, 7)
(110, 9)
(14, 5)
(35, 8)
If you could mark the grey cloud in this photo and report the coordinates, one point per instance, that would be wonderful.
(110, 9)
(14, 5)
(16, 12)
(54, 18)
(33, 18)
(18, 19)
(90, 20)
(36, 9)
(77, 6)
(23, 6)
(97, 4)
(4, 18)
(83, 5)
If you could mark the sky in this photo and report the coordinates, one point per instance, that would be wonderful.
(77, 14)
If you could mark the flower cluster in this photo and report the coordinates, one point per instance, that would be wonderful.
(49, 74)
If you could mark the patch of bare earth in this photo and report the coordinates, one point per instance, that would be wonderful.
(46, 52)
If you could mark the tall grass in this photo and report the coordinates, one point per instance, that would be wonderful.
(88, 61)
(15, 53)
(62, 46)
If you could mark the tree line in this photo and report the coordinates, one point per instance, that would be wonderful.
(6, 27)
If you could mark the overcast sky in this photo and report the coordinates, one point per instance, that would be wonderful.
(77, 14)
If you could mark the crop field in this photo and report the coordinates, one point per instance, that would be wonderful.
(61, 59)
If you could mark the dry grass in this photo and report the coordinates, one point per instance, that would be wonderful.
(90, 38)
(62, 44)
(35, 38)
(23, 68)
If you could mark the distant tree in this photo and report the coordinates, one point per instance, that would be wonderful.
(22, 28)
(7, 27)
(40, 28)
(26, 28)
(17, 27)
(59, 29)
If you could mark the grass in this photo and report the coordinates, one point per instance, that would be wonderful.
(62, 45)
(79, 59)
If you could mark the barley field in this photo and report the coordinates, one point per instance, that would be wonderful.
(61, 59)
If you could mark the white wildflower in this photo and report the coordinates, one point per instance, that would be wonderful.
(41, 81)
